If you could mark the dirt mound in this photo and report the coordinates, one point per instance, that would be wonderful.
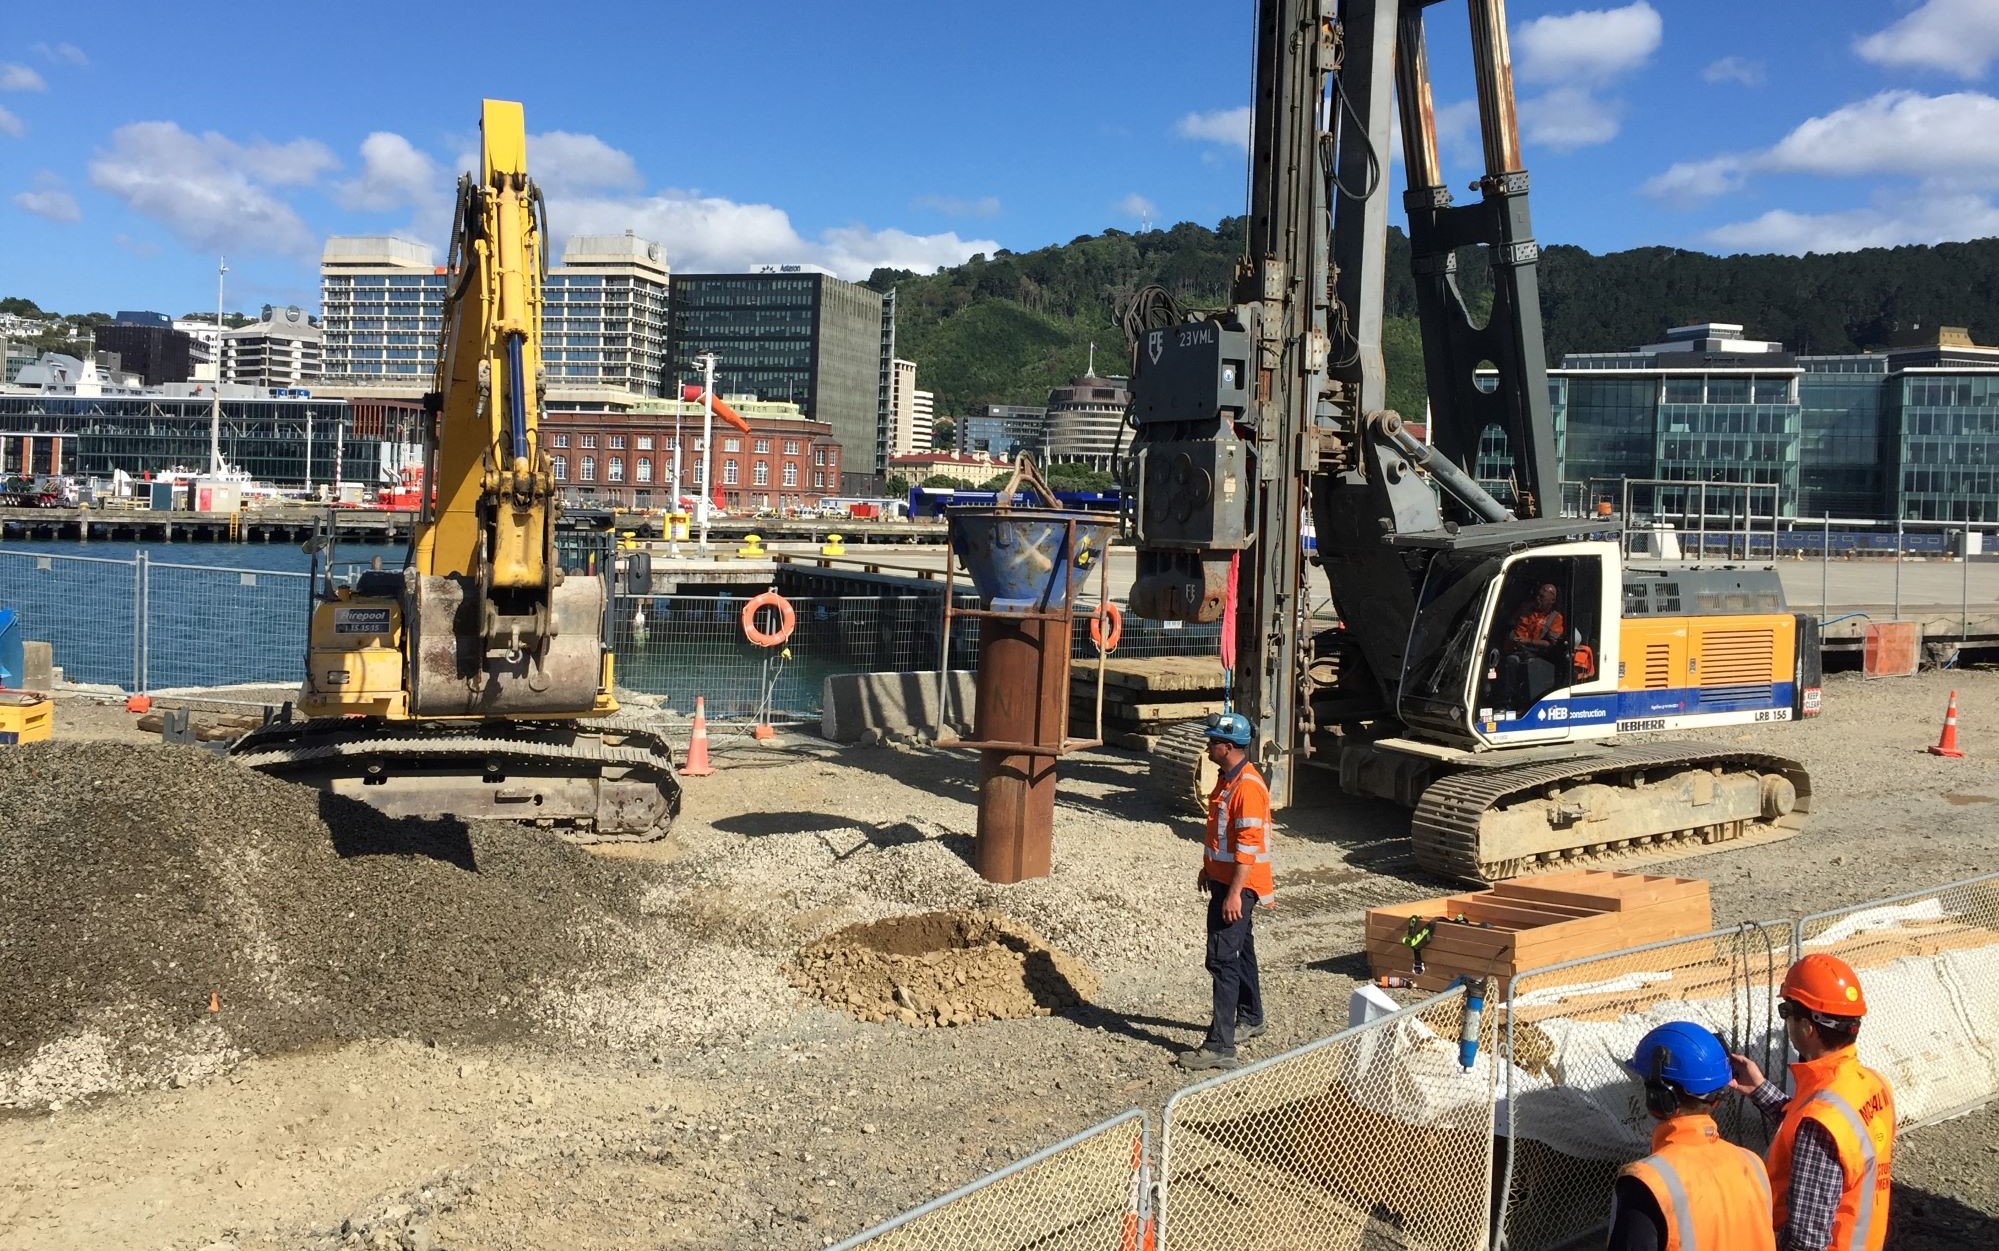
(942, 968)
(136, 881)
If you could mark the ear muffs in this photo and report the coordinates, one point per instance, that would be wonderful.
(1662, 1098)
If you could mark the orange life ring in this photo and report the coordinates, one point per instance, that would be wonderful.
(786, 619)
(1106, 611)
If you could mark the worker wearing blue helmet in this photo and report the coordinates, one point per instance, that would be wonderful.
(1696, 1191)
(1234, 875)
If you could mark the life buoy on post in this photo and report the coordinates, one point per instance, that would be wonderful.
(786, 620)
(1106, 642)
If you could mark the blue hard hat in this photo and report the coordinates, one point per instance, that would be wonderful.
(1231, 727)
(1685, 1054)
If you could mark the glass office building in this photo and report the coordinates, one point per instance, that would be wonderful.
(795, 334)
(1846, 450)
(143, 434)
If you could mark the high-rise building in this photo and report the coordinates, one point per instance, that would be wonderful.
(204, 337)
(794, 333)
(912, 419)
(1003, 431)
(381, 308)
(282, 348)
(148, 345)
(603, 322)
(1085, 420)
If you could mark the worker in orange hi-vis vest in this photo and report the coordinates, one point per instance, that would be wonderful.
(1829, 1162)
(1235, 876)
(1696, 1191)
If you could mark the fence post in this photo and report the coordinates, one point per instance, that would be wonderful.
(1898, 567)
(1964, 585)
(141, 581)
(1825, 563)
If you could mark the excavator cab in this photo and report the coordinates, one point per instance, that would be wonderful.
(1515, 647)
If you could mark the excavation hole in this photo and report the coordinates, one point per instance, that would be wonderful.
(939, 969)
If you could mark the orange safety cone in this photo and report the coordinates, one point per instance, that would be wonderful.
(1947, 745)
(697, 765)
(215, 1001)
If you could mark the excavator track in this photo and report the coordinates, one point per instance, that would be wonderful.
(1640, 803)
(1181, 769)
(602, 781)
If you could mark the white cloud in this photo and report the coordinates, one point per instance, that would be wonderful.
(15, 77)
(1735, 69)
(954, 206)
(12, 125)
(394, 174)
(1227, 126)
(209, 191)
(1898, 132)
(1691, 182)
(67, 53)
(1918, 217)
(1957, 36)
(1136, 205)
(1590, 46)
(50, 199)
(1568, 118)
(565, 163)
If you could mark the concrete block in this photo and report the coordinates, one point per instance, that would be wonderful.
(879, 705)
(38, 671)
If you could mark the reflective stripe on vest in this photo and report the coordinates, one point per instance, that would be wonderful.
(1683, 1215)
(1863, 1217)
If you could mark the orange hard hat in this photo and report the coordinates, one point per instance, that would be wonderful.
(1826, 985)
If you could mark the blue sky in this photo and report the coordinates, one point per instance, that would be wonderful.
(138, 145)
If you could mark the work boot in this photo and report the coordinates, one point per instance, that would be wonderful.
(1202, 1058)
(1243, 1033)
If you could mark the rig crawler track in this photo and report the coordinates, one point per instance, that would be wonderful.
(593, 782)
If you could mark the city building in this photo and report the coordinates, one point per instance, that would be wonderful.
(786, 463)
(923, 421)
(148, 345)
(381, 305)
(1911, 431)
(282, 348)
(1085, 421)
(797, 334)
(1003, 430)
(911, 412)
(965, 468)
(205, 336)
(603, 322)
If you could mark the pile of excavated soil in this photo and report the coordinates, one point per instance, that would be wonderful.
(138, 881)
(942, 968)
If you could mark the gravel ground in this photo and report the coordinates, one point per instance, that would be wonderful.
(711, 1102)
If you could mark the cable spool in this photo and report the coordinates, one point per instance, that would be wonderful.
(1106, 641)
(787, 620)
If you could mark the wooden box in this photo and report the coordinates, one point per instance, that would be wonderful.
(1533, 922)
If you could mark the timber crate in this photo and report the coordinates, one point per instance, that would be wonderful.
(25, 718)
(1533, 922)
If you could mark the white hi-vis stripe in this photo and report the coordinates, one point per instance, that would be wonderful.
(1863, 1219)
(1683, 1216)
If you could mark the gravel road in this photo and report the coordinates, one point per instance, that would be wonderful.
(544, 1047)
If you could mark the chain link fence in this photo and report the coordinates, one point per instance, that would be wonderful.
(1373, 1138)
(1086, 1193)
(1928, 962)
(1572, 1114)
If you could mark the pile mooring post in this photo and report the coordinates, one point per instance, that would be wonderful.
(1027, 564)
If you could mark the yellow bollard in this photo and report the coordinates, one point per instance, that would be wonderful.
(833, 546)
(752, 548)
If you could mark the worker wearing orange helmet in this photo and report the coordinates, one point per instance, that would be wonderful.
(1829, 1162)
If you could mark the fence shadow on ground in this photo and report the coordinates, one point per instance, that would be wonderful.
(359, 830)
(877, 835)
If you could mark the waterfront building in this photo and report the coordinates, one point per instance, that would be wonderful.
(1003, 430)
(969, 469)
(204, 338)
(148, 345)
(792, 333)
(603, 322)
(786, 463)
(381, 309)
(282, 348)
(1085, 419)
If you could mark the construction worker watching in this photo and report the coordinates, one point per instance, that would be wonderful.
(1829, 1163)
(1696, 1191)
(1234, 875)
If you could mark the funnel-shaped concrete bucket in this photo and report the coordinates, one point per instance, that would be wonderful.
(1029, 559)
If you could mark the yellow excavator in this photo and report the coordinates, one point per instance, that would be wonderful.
(477, 683)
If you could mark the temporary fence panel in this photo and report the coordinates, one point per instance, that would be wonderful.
(84, 607)
(1086, 1193)
(205, 626)
(1572, 1114)
(1928, 962)
(1375, 1137)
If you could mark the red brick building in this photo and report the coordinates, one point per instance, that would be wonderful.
(785, 463)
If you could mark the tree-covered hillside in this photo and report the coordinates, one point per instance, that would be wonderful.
(1006, 328)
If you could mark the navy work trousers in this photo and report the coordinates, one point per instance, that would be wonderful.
(1232, 963)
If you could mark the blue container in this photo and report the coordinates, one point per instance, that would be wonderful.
(12, 663)
(1020, 558)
